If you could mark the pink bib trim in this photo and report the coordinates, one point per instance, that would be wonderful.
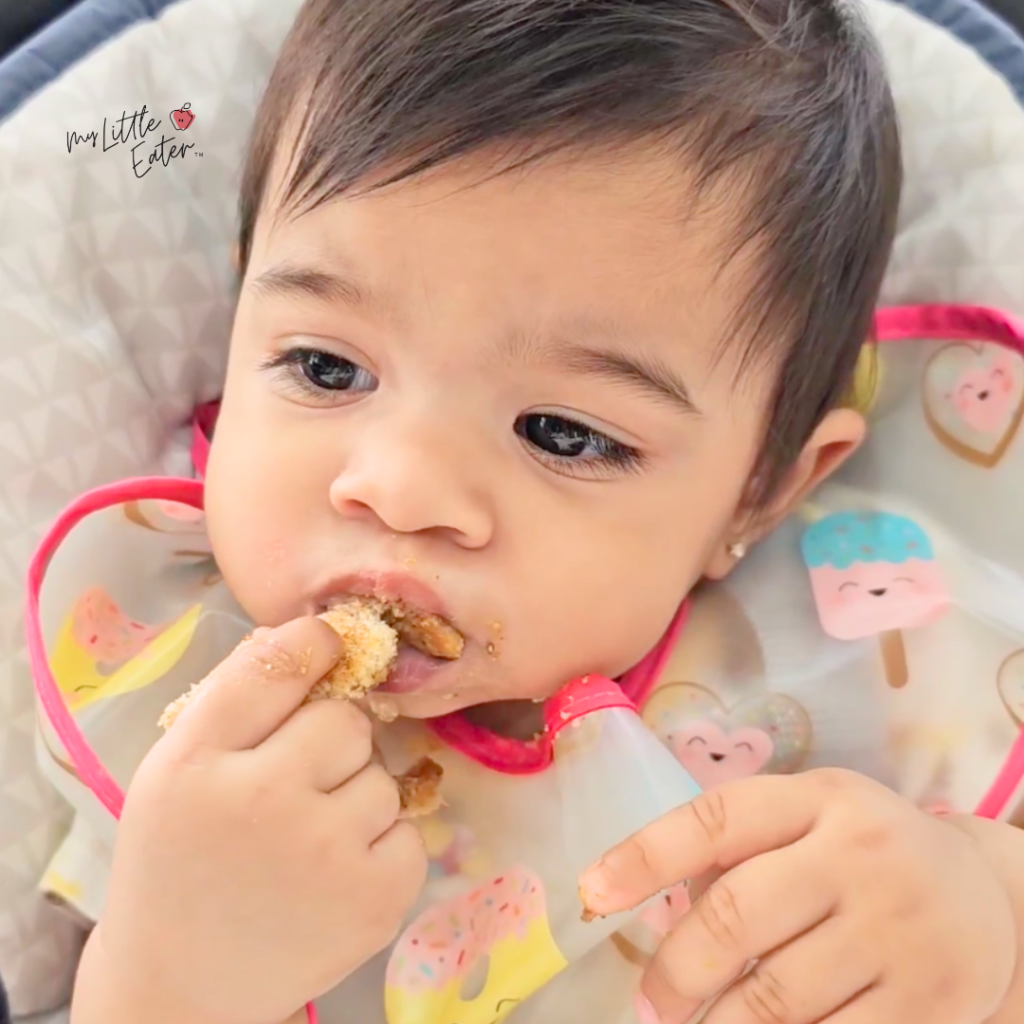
(950, 323)
(87, 764)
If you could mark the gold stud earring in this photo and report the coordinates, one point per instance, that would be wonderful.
(737, 550)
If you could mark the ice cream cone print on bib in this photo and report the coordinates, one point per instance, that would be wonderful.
(874, 574)
(473, 959)
(973, 397)
(100, 652)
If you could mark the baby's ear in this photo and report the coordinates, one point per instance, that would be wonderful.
(836, 438)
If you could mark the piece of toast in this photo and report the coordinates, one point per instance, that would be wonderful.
(370, 650)
(419, 788)
(427, 633)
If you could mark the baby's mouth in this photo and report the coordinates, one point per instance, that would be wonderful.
(424, 632)
(426, 643)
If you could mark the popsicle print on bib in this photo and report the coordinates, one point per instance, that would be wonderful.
(973, 396)
(874, 574)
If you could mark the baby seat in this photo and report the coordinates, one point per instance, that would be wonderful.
(116, 295)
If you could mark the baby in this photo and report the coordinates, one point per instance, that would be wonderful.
(548, 313)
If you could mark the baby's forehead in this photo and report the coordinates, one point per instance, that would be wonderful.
(632, 198)
(611, 244)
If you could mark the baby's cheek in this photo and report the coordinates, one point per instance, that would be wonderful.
(261, 574)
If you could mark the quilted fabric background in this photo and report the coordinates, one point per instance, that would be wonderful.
(115, 304)
(116, 299)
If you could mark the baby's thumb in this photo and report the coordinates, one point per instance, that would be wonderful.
(250, 694)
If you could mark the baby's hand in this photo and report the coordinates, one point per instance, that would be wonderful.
(258, 859)
(859, 908)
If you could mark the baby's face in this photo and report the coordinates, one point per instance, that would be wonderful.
(507, 403)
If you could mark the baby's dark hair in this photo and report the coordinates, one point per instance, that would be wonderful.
(788, 96)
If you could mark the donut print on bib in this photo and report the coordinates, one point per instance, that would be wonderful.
(473, 959)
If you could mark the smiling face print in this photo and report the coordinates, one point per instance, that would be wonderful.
(973, 396)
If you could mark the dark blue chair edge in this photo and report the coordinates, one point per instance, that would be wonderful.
(78, 32)
(987, 33)
(64, 42)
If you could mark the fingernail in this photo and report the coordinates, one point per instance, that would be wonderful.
(645, 1011)
(594, 887)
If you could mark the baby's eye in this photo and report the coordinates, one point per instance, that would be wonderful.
(317, 373)
(570, 442)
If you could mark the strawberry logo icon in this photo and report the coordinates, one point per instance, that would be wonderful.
(182, 118)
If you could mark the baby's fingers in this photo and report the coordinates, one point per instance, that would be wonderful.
(755, 908)
(719, 829)
(325, 743)
(759, 906)
(823, 977)
(258, 686)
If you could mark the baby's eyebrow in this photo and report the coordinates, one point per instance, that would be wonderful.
(646, 375)
(290, 280)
